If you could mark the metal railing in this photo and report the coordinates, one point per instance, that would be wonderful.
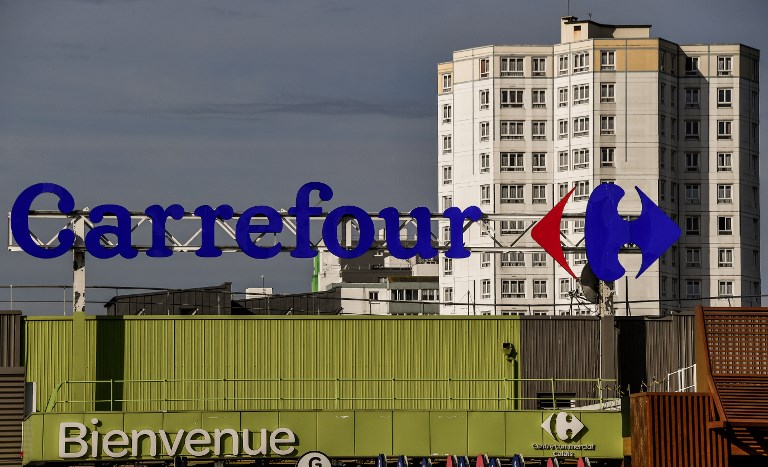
(168, 395)
(682, 380)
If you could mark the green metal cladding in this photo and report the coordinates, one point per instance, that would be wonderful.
(196, 363)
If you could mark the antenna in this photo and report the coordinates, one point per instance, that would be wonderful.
(590, 15)
(569, 7)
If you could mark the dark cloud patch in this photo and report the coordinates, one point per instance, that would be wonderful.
(319, 106)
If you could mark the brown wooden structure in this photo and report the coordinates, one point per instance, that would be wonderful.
(732, 352)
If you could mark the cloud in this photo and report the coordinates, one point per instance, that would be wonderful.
(411, 109)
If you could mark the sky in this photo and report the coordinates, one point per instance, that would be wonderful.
(141, 102)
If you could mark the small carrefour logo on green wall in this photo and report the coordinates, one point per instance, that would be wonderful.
(563, 427)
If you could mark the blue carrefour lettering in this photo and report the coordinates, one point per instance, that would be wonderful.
(606, 232)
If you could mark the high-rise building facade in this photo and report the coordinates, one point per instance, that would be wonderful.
(520, 126)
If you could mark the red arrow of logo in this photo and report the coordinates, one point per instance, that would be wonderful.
(546, 233)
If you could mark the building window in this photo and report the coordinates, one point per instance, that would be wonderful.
(673, 192)
(430, 295)
(756, 228)
(539, 260)
(693, 257)
(580, 159)
(539, 288)
(755, 260)
(691, 65)
(485, 131)
(662, 190)
(562, 97)
(582, 190)
(692, 98)
(580, 258)
(539, 162)
(692, 129)
(607, 158)
(448, 294)
(662, 61)
(580, 62)
(447, 113)
(539, 130)
(724, 96)
(692, 225)
(607, 60)
(539, 66)
(373, 296)
(563, 69)
(447, 175)
(512, 227)
(486, 288)
(725, 288)
(724, 66)
(662, 157)
(539, 98)
(512, 288)
(512, 162)
(692, 162)
(564, 227)
(724, 129)
(662, 125)
(485, 259)
(447, 266)
(562, 129)
(578, 226)
(447, 202)
(673, 127)
(511, 66)
(673, 160)
(539, 194)
(562, 189)
(565, 288)
(447, 144)
(511, 129)
(663, 286)
(512, 194)
(725, 258)
(607, 125)
(563, 161)
(724, 225)
(485, 99)
(446, 234)
(581, 94)
(581, 126)
(607, 93)
(485, 67)
(485, 163)
(511, 98)
(724, 194)
(485, 194)
(693, 288)
(447, 82)
(662, 92)
(692, 193)
(512, 259)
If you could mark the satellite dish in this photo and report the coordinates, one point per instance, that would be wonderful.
(590, 284)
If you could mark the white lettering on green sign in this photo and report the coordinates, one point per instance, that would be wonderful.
(196, 442)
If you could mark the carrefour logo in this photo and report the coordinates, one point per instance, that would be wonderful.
(605, 232)
(563, 427)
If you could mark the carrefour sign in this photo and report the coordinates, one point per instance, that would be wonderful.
(606, 232)
(269, 222)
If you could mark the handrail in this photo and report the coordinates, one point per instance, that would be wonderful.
(222, 392)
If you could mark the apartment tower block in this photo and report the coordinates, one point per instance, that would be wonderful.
(520, 126)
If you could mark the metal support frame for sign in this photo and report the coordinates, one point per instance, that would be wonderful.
(80, 224)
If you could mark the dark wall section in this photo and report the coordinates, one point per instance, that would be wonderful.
(11, 388)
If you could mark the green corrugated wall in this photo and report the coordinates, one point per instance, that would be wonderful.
(294, 363)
